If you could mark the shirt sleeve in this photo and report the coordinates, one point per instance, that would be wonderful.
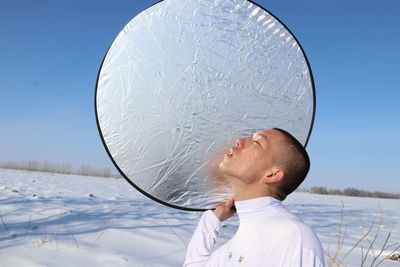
(201, 245)
(312, 253)
(312, 259)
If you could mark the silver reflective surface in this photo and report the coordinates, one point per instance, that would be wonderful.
(184, 79)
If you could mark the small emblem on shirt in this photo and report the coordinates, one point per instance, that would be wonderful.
(230, 255)
(241, 258)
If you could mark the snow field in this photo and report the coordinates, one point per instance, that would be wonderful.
(70, 220)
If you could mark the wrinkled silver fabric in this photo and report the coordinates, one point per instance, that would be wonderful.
(184, 79)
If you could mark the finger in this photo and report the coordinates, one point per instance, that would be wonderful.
(229, 203)
(232, 206)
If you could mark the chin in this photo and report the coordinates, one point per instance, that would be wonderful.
(222, 167)
(226, 171)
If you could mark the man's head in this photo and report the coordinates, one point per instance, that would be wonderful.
(271, 160)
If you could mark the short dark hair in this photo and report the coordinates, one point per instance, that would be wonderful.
(293, 159)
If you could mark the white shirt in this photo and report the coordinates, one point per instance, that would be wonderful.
(268, 235)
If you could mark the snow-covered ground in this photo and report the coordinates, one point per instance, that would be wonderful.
(69, 220)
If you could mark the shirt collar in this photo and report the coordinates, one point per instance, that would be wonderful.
(246, 208)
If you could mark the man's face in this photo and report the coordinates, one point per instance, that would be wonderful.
(251, 158)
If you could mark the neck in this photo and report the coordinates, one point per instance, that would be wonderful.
(242, 191)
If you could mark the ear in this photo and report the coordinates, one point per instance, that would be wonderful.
(273, 176)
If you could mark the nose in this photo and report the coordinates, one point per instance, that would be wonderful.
(240, 143)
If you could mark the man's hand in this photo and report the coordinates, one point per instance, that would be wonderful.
(226, 210)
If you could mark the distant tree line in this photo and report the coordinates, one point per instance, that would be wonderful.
(65, 168)
(350, 192)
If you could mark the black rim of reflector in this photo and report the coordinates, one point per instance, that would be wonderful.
(123, 174)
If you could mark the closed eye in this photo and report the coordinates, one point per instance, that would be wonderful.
(259, 137)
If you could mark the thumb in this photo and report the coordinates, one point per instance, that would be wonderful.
(229, 202)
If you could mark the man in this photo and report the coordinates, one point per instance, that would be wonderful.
(262, 171)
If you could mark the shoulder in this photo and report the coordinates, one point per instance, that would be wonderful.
(306, 238)
(294, 230)
(298, 238)
(286, 242)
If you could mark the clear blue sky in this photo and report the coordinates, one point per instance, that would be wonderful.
(50, 53)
